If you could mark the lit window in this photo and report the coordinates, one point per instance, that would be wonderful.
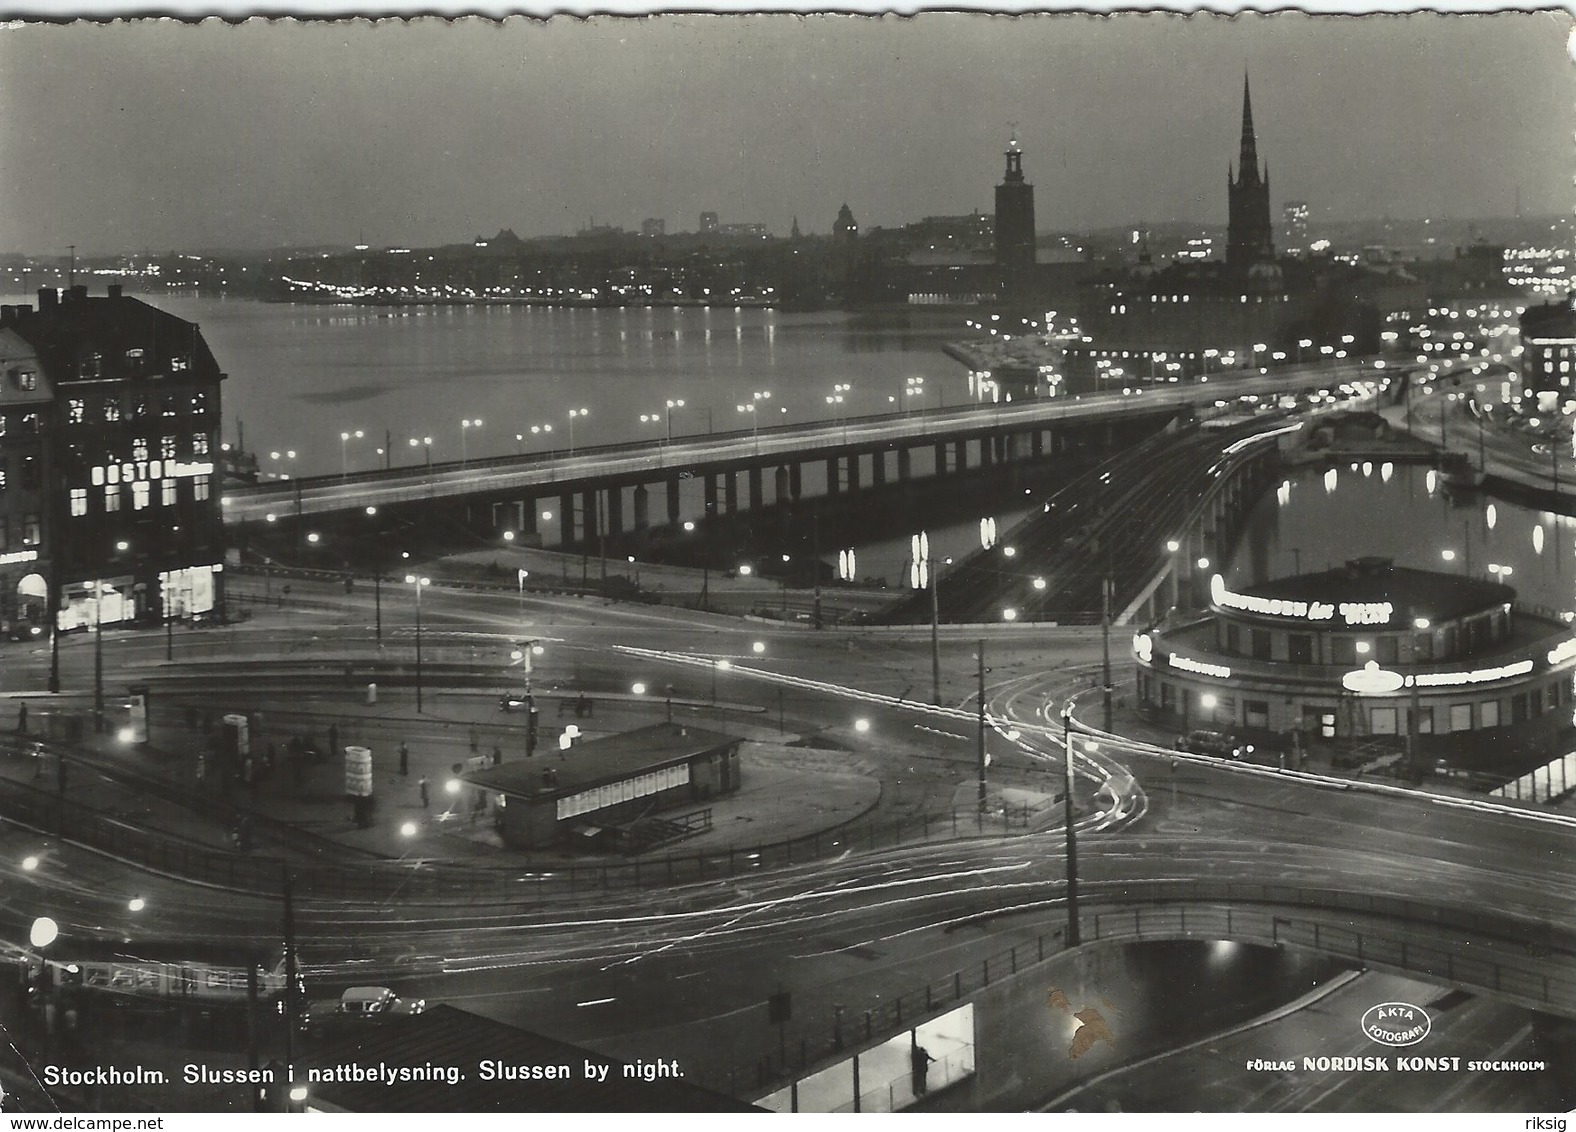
(139, 448)
(168, 493)
(79, 501)
(112, 497)
(199, 444)
(199, 487)
(168, 405)
(29, 423)
(140, 494)
(177, 365)
(25, 379)
(1488, 713)
(199, 402)
(167, 447)
(30, 529)
(111, 409)
(76, 410)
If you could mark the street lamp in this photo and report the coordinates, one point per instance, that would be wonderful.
(672, 404)
(1067, 822)
(573, 413)
(465, 427)
(425, 444)
(418, 581)
(344, 458)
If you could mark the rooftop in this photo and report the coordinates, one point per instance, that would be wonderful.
(1375, 582)
(598, 761)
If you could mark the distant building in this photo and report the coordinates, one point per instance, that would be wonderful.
(1014, 221)
(652, 226)
(1548, 346)
(1295, 215)
(708, 222)
(27, 421)
(1250, 240)
(127, 507)
(844, 226)
(750, 228)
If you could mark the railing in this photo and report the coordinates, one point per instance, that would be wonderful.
(1537, 970)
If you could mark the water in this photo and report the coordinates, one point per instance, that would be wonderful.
(1319, 519)
(299, 376)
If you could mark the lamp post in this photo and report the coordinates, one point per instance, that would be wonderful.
(754, 425)
(835, 399)
(1067, 822)
(465, 427)
(425, 444)
(983, 758)
(418, 581)
(344, 456)
(672, 404)
(573, 413)
(98, 656)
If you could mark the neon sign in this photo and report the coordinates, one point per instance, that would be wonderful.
(1352, 612)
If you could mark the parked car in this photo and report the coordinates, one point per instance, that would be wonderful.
(1216, 743)
(360, 1006)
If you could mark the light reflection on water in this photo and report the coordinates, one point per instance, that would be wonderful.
(300, 375)
(1410, 517)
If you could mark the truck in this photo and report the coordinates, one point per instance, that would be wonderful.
(360, 1006)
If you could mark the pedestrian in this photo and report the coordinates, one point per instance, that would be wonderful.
(21, 718)
(404, 760)
(333, 740)
(474, 740)
(919, 1063)
(497, 755)
(425, 798)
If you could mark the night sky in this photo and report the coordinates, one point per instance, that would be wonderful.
(165, 136)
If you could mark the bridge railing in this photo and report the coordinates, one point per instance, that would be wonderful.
(1393, 934)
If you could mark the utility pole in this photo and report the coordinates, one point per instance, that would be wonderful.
(935, 636)
(292, 975)
(1105, 644)
(1071, 834)
(982, 755)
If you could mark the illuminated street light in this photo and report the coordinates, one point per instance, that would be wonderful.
(465, 427)
(573, 413)
(419, 583)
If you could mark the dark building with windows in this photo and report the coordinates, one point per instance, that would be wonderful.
(1369, 651)
(128, 422)
(1014, 223)
(1548, 346)
(26, 422)
(1249, 239)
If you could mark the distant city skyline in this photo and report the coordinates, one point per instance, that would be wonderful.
(166, 136)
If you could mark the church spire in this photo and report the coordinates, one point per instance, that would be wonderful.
(1248, 158)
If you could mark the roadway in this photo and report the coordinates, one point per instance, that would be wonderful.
(652, 460)
(680, 974)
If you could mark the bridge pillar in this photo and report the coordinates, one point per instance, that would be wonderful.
(987, 451)
(527, 516)
(853, 471)
(615, 510)
(960, 455)
(878, 467)
(711, 495)
(642, 509)
(757, 492)
(834, 475)
(566, 520)
(673, 502)
(1018, 445)
(1037, 443)
(904, 465)
(590, 514)
(795, 481)
(780, 484)
(730, 491)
